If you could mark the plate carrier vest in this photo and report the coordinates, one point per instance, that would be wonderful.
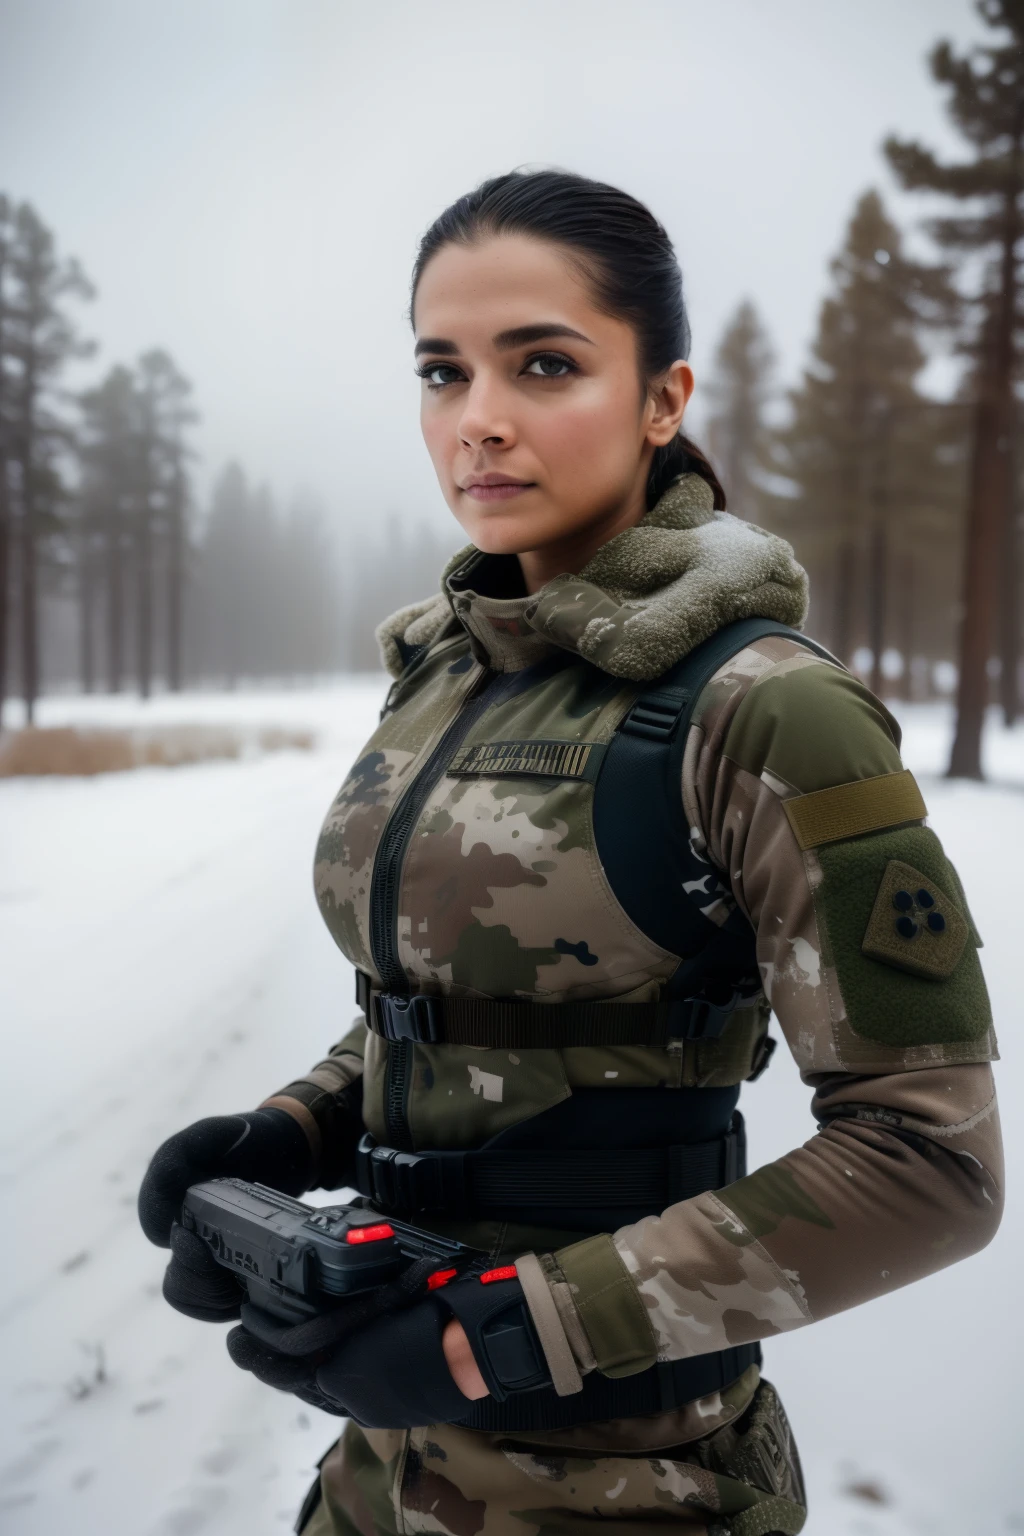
(589, 1164)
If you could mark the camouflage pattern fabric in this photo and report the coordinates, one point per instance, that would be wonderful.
(740, 1478)
(502, 894)
(648, 596)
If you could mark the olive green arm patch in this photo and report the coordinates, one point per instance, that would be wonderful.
(885, 998)
(850, 810)
(610, 1306)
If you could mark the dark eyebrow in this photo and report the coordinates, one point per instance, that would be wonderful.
(519, 336)
(523, 335)
(435, 344)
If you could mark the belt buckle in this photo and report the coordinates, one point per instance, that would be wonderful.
(416, 1018)
(404, 1181)
(410, 1181)
(385, 1180)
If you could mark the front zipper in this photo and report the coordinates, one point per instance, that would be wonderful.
(387, 872)
(396, 1090)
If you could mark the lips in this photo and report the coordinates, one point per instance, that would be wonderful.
(496, 488)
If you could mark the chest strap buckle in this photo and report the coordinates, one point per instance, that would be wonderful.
(417, 1018)
(701, 1018)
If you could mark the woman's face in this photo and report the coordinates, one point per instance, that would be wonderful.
(532, 407)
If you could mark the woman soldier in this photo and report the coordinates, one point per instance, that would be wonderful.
(615, 808)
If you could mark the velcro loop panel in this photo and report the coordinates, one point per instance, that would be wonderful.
(610, 1306)
(850, 810)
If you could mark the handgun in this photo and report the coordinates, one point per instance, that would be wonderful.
(296, 1261)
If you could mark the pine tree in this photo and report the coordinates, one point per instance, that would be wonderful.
(7, 234)
(39, 340)
(160, 516)
(110, 493)
(861, 444)
(740, 389)
(133, 511)
(986, 102)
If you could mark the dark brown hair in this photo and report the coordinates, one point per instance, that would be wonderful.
(627, 255)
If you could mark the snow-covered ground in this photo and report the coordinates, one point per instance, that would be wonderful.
(162, 959)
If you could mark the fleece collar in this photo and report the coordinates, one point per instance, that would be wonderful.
(649, 595)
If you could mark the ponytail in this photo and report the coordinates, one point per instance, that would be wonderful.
(681, 457)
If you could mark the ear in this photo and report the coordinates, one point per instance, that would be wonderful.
(668, 402)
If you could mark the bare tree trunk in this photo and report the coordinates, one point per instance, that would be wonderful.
(989, 488)
(175, 587)
(115, 605)
(86, 615)
(842, 612)
(990, 500)
(29, 606)
(907, 620)
(1009, 607)
(989, 474)
(5, 576)
(6, 461)
(144, 601)
(877, 596)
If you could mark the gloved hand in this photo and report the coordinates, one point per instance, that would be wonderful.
(266, 1146)
(379, 1359)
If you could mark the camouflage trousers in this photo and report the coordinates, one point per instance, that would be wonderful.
(740, 1479)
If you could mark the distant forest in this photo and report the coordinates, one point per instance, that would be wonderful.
(905, 508)
(263, 592)
(113, 574)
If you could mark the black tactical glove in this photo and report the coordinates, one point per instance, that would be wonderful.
(266, 1146)
(390, 1371)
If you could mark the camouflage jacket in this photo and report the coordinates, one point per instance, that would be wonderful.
(865, 944)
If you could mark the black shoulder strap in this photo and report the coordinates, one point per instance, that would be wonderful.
(640, 824)
(663, 712)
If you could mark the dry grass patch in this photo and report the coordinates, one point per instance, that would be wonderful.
(79, 750)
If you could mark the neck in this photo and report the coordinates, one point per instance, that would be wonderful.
(568, 555)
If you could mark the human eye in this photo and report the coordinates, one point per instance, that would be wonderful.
(550, 365)
(437, 375)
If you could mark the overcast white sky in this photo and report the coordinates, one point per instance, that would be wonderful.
(245, 180)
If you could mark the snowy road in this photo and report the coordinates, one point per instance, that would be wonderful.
(162, 959)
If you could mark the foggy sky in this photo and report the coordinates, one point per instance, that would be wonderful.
(245, 180)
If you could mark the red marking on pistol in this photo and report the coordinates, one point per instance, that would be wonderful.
(506, 1272)
(373, 1234)
(440, 1277)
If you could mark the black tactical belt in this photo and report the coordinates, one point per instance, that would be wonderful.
(658, 1390)
(509, 1025)
(531, 1185)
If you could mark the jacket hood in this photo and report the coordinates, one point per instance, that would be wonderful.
(649, 595)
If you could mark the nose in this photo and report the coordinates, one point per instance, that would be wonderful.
(486, 420)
